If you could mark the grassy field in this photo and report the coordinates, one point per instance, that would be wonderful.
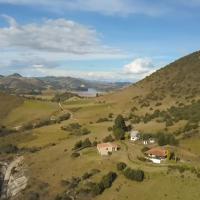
(7, 104)
(53, 162)
(29, 111)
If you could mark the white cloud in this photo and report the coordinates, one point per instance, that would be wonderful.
(57, 35)
(139, 66)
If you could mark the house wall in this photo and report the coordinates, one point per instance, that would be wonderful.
(106, 150)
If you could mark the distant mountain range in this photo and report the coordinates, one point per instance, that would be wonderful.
(18, 84)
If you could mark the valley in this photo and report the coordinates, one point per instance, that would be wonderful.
(164, 103)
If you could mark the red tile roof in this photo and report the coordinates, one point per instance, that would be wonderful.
(160, 152)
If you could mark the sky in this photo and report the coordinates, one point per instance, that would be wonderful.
(110, 40)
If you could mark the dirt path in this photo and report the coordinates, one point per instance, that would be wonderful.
(65, 110)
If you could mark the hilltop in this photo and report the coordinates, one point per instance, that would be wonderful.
(177, 85)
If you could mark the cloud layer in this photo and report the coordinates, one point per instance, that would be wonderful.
(106, 7)
(110, 7)
(58, 35)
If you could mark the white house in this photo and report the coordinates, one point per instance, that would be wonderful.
(157, 154)
(105, 148)
(134, 135)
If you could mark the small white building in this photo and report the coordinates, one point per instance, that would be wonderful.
(145, 142)
(149, 141)
(152, 141)
(105, 148)
(134, 135)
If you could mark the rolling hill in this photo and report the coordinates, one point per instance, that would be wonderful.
(17, 84)
(174, 87)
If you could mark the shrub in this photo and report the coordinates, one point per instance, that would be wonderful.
(108, 138)
(86, 143)
(164, 139)
(110, 129)
(120, 123)
(78, 145)
(86, 175)
(102, 120)
(119, 133)
(137, 175)
(110, 115)
(121, 166)
(10, 148)
(75, 155)
(108, 179)
(106, 182)
(82, 144)
(97, 189)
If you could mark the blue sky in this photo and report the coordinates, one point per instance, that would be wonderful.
(114, 40)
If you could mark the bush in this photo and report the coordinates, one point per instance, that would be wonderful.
(120, 123)
(86, 175)
(106, 182)
(164, 139)
(121, 166)
(82, 144)
(75, 155)
(97, 189)
(10, 148)
(137, 175)
(110, 129)
(108, 138)
(78, 145)
(86, 143)
(110, 115)
(102, 120)
(108, 179)
(119, 133)
(75, 129)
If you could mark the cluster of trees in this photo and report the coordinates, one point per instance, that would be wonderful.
(93, 189)
(191, 113)
(46, 122)
(119, 128)
(106, 182)
(82, 144)
(132, 174)
(164, 139)
(76, 129)
(64, 96)
(108, 138)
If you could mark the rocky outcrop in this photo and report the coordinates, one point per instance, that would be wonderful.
(14, 178)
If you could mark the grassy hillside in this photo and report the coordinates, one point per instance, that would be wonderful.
(166, 101)
(8, 103)
(174, 87)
